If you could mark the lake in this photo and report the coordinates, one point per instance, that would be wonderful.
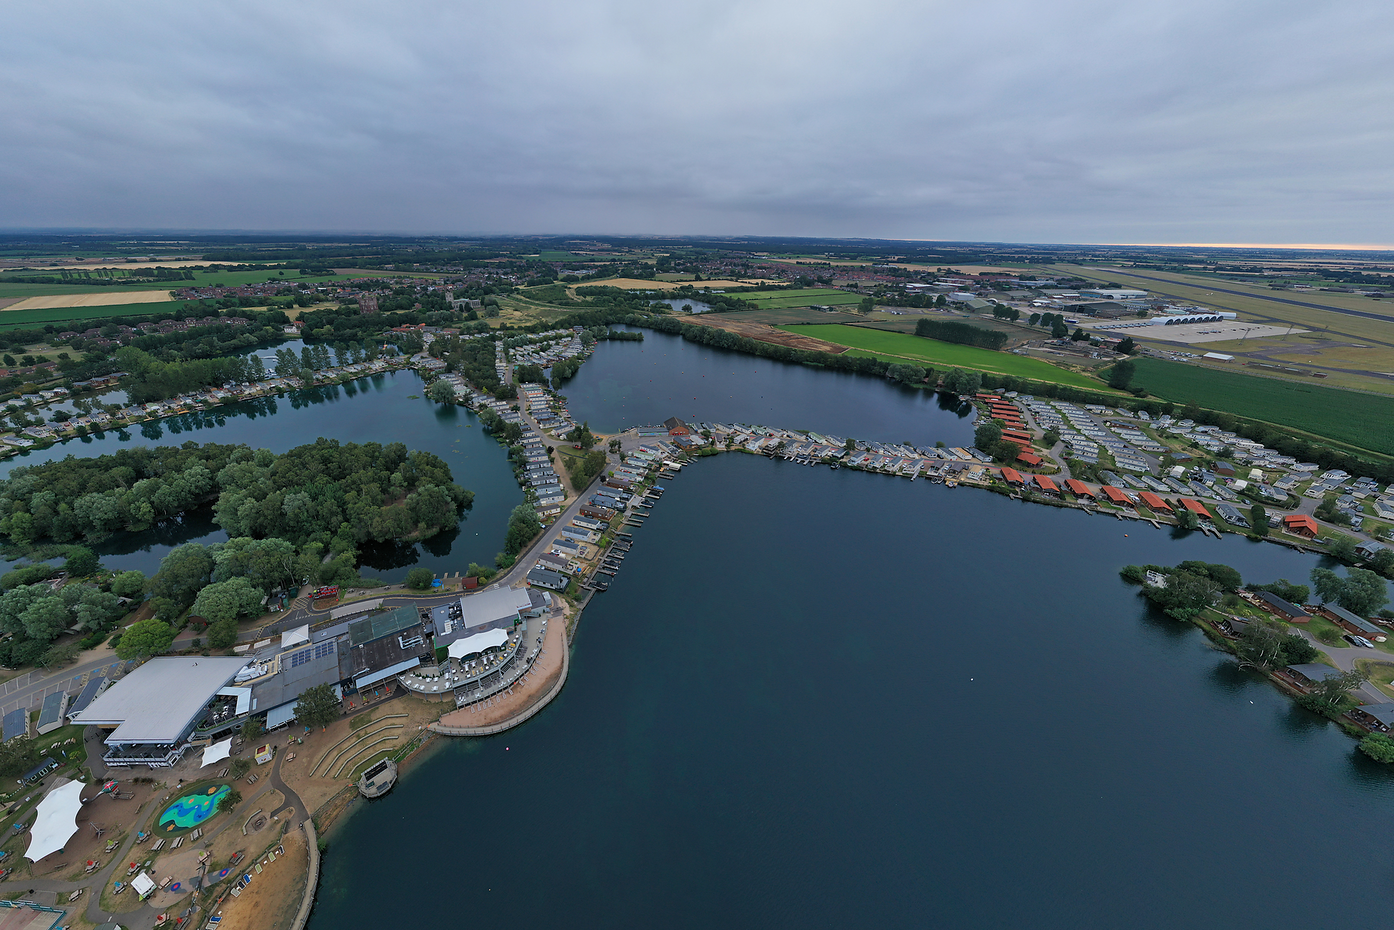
(637, 383)
(380, 408)
(830, 699)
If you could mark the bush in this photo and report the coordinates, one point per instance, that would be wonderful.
(420, 578)
(1378, 747)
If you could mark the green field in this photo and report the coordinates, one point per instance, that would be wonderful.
(20, 319)
(201, 279)
(790, 317)
(801, 297)
(1364, 421)
(828, 298)
(903, 347)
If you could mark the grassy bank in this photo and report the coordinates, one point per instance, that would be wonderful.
(904, 347)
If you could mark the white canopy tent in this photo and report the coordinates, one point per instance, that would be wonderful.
(216, 752)
(476, 643)
(57, 820)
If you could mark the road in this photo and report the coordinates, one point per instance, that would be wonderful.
(30, 689)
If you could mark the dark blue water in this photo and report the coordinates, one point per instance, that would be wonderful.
(636, 383)
(833, 699)
(375, 409)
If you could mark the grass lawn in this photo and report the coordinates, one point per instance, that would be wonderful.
(903, 347)
(1364, 421)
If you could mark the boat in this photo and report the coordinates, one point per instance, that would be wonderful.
(378, 779)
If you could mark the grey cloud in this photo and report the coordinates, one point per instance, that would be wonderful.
(1006, 120)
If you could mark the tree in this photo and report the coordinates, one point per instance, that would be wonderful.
(129, 584)
(1292, 593)
(1329, 695)
(420, 578)
(1127, 346)
(441, 391)
(987, 434)
(1185, 595)
(229, 801)
(1362, 592)
(1058, 329)
(239, 767)
(1378, 747)
(145, 638)
(523, 525)
(1121, 375)
(1342, 548)
(228, 600)
(1258, 519)
(252, 729)
(317, 707)
(582, 436)
(615, 446)
(59, 655)
(183, 573)
(222, 634)
(81, 562)
(17, 756)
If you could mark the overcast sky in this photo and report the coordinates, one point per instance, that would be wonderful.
(999, 120)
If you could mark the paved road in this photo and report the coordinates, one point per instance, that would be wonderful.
(30, 689)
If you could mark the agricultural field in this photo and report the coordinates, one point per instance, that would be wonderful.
(903, 347)
(640, 284)
(210, 278)
(1363, 421)
(22, 319)
(790, 317)
(109, 298)
(801, 297)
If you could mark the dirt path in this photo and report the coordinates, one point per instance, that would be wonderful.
(765, 333)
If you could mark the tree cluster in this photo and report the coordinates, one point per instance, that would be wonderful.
(960, 333)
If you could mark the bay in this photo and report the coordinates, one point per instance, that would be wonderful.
(829, 699)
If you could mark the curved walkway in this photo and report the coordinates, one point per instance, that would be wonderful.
(524, 715)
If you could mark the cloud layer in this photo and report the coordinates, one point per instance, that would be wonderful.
(1004, 120)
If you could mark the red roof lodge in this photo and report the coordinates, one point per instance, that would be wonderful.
(1154, 502)
(1047, 485)
(1115, 496)
(1195, 507)
(1030, 458)
(1012, 476)
(1300, 524)
(1078, 488)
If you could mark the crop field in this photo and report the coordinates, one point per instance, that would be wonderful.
(791, 317)
(104, 299)
(903, 347)
(1361, 420)
(827, 299)
(19, 319)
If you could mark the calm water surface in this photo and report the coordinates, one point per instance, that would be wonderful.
(635, 383)
(832, 699)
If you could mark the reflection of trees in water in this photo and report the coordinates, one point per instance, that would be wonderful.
(387, 555)
(953, 404)
(440, 544)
